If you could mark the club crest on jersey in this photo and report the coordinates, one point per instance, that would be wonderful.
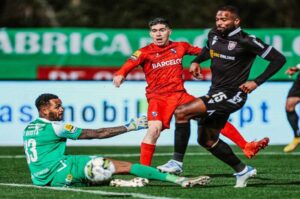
(70, 128)
(232, 45)
(173, 50)
(154, 114)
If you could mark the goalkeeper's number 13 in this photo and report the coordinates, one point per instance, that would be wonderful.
(30, 151)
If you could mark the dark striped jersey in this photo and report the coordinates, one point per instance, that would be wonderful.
(232, 56)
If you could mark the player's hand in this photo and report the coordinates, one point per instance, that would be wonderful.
(137, 123)
(291, 71)
(195, 70)
(248, 86)
(118, 80)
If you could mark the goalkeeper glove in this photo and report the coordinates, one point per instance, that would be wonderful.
(137, 124)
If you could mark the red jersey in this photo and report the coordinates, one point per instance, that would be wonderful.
(162, 66)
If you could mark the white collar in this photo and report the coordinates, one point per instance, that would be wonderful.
(235, 32)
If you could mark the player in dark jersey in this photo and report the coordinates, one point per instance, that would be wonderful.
(292, 100)
(162, 64)
(232, 53)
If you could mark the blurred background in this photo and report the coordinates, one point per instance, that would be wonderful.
(135, 14)
(42, 40)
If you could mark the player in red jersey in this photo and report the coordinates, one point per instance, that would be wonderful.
(162, 65)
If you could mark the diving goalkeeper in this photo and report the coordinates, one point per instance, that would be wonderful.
(45, 144)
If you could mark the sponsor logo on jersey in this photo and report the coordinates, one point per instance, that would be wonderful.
(136, 55)
(154, 114)
(33, 129)
(214, 54)
(173, 50)
(232, 45)
(69, 127)
(170, 62)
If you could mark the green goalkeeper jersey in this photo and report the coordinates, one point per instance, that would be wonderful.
(44, 145)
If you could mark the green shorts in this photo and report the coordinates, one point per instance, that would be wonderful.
(71, 173)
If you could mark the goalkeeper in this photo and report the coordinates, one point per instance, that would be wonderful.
(45, 144)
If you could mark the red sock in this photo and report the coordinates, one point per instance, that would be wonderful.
(147, 151)
(234, 135)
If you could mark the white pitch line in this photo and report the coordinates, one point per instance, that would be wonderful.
(134, 195)
(163, 154)
(195, 154)
(12, 156)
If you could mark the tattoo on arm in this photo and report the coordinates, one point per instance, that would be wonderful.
(102, 132)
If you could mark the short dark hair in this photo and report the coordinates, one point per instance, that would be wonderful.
(158, 20)
(234, 10)
(44, 99)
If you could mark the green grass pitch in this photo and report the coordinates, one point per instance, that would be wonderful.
(278, 175)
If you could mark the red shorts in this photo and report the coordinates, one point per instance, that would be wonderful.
(162, 107)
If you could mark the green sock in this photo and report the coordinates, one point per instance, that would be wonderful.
(152, 173)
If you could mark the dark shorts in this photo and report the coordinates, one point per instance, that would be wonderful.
(295, 90)
(220, 104)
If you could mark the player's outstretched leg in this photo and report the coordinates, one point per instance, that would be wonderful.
(152, 173)
(252, 148)
(197, 181)
(141, 182)
(135, 182)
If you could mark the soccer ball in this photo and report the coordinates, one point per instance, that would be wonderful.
(99, 170)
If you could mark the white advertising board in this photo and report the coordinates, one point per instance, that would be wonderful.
(91, 104)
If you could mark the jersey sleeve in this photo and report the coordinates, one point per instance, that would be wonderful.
(66, 130)
(256, 46)
(204, 55)
(276, 62)
(135, 60)
(191, 50)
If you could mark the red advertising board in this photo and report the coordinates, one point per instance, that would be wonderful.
(99, 73)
